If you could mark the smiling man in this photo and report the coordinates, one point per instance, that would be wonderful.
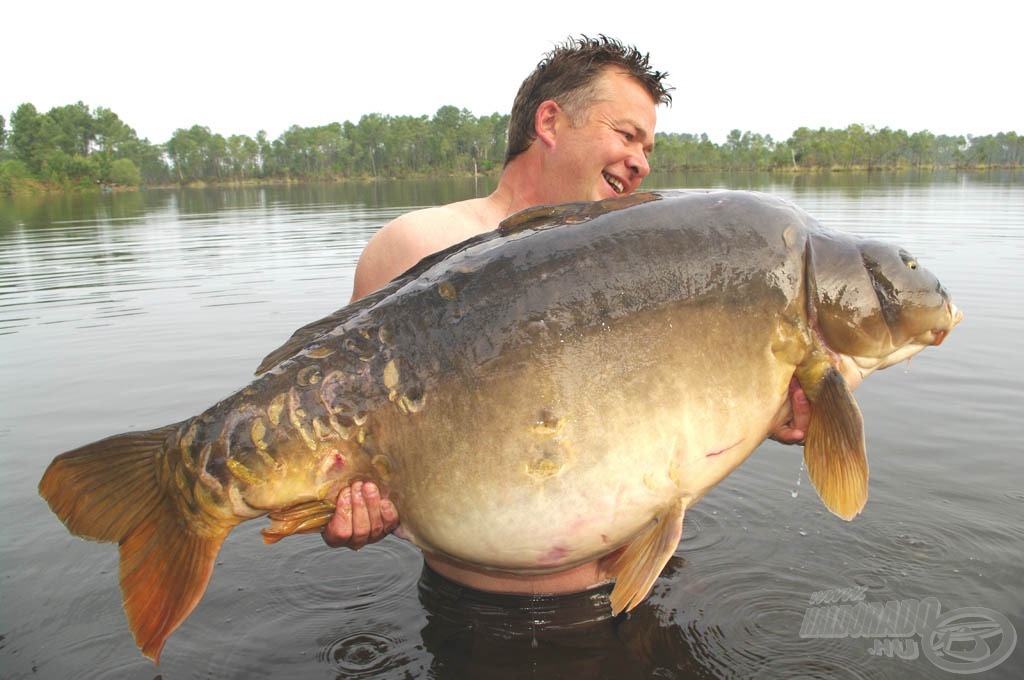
(581, 128)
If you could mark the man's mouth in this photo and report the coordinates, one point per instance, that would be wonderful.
(615, 184)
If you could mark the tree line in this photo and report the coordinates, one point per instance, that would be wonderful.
(73, 146)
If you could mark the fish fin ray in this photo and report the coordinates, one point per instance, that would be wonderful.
(110, 491)
(305, 518)
(638, 567)
(87, 488)
(165, 568)
(834, 449)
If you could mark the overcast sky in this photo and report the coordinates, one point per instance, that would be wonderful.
(768, 66)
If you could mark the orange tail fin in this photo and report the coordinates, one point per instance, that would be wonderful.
(109, 491)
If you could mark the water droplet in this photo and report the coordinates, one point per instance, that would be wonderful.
(800, 475)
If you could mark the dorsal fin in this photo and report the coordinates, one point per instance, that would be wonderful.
(543, 216)
(540, 216)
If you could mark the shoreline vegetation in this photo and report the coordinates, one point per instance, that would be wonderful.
(73, 148)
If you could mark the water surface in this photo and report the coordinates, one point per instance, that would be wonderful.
(132, 311)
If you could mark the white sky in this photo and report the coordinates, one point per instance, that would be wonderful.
(768, 66)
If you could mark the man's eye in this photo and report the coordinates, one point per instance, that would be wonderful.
(627, 135)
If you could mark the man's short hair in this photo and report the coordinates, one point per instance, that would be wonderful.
(568, 74)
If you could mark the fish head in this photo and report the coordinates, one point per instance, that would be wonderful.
(875, 303)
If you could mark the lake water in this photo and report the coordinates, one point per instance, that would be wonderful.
(130, 311)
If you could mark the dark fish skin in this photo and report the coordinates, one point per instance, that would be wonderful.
(531, 399)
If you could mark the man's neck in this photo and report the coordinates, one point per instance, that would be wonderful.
(520, 187)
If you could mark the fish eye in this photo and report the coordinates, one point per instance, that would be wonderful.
(908, 260)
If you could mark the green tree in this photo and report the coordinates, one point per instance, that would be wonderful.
(70, 128)
(184, 149)
(368, 142)
(243, 156)
(921, 148)
(123, 172)
(26, 139)
(13, 175)
(264, 153)
(112, 134)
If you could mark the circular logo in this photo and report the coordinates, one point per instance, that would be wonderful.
(962, 640)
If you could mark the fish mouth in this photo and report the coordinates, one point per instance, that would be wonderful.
(956, 316)
(615, 183)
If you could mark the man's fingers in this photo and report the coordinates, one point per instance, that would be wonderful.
(371, 494)
(801, 410)
(789, 435)
(360, 518)
(338, 531)
(794, 431)
(389, 515)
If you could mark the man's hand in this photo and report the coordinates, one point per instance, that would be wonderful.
(361, 517)
(794, 431)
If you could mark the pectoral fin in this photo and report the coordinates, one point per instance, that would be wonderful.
(306, 518)
(642, 561)
(834, 447)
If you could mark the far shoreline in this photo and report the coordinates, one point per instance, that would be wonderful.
(21, 188)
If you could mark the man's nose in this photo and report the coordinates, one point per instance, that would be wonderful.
(639, 165)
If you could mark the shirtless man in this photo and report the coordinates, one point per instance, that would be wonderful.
(581, 128)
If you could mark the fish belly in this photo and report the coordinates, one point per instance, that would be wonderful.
(540, 469)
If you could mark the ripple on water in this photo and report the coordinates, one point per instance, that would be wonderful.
(313, 589)
(741, 605)
(103, 652)
(362, 655)
(287, 613)
(701, 531)
(321, 580)
(747, 623)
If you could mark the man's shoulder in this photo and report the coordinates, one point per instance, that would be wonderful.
(437, 227)
(408, 238)
(459, 215)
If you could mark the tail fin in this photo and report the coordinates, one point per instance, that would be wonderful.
(110, 491)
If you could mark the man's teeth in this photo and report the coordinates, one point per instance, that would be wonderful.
(616, 184)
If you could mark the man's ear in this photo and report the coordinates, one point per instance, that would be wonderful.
(546, 121)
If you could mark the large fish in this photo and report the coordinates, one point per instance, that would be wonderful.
(531, 399)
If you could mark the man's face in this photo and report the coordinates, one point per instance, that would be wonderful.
(605, 154)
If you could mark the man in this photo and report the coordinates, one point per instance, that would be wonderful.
(581, 128)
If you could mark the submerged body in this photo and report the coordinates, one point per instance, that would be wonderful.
(531, 399)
